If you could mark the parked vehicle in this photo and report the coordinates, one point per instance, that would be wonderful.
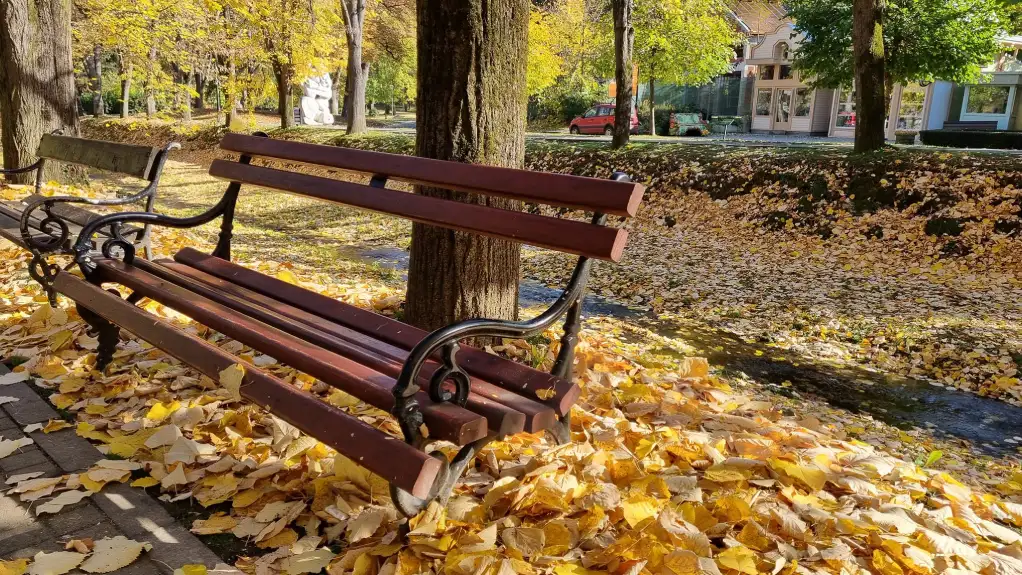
(599, 120)
(689, 124)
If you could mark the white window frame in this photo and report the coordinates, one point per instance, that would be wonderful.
(1002, 119)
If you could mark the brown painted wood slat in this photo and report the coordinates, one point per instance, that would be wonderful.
(445, 421)
(502, 419)
(557, 234)
(507, 412)
(387, 456)
(577, 192)
(126, 159)
(515, 377)
(69, 212)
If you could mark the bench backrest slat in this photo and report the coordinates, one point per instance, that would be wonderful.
(576, 192)
(569, 236)
(128, 159)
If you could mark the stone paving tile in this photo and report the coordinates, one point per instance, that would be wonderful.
(48, 468)
(73, 518)
(70, 452)
(30, 408)
(117, 510)
(24, 539)
(29, 456)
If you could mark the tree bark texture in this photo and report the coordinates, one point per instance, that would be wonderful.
(231, 99)
(186, 98)
(150, 90)
(284, 74)
(98, 107)
(870, 110)
(125, 89)
(37, 92)
(353, 13)
(199, 100)
(471, 108)
(624, 39)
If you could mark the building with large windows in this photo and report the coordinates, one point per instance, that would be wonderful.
(783, 103)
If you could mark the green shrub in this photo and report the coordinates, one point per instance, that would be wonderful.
(1000, 140)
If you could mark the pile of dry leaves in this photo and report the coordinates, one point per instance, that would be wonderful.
(672, 471)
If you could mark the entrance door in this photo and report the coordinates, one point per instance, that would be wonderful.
(782, 109)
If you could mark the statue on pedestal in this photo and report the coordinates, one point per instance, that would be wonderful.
(315, 103)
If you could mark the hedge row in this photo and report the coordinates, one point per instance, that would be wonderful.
(963, 139)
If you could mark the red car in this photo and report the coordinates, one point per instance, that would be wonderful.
(599, 120)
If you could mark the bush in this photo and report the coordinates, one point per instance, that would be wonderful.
(1000, 140)
(560, 104)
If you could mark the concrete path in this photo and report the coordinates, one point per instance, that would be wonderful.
(117, 510)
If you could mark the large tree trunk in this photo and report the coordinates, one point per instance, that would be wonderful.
(150, 89)
(125, 88)
(199, 100)
(185, 98)
(37, 92)
(98, 108)
(353, 12)
(284, 74)
(471, 108)
(867, 42)
(231, 99)
(624, 38)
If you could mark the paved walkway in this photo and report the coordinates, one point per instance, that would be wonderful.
(117, 510)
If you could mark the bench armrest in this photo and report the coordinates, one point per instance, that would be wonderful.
(58, 231)
(26, 169)
(445, 340)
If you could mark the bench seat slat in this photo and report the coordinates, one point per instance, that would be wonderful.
(576, 192)
(128, 159)
(563, 235)
(387, 456)
(506, 411)
(445, 421)
(512, 376)
(75, 216)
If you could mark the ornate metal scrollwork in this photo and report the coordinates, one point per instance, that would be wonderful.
(409, 417)
(449, 371)
(118, 241)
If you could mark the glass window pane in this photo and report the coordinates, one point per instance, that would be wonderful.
(785, 73)
(910, 114)
(783, 112)
(763, 102)
(766, 72)
(802, 102)
(845, 109)
(988, 99)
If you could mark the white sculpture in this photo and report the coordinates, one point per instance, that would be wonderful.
(315, 103)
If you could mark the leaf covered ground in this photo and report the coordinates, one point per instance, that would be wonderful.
(675, 468)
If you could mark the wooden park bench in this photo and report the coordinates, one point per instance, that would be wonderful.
(47, 224)
(462, 395)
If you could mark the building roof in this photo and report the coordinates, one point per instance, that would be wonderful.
(760, 16)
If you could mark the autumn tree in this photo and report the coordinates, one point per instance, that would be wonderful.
(624, 41)
(686, 42)
(353, 13)
(878, 43)
(389, 47)
(37, 91)
(471, 108)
